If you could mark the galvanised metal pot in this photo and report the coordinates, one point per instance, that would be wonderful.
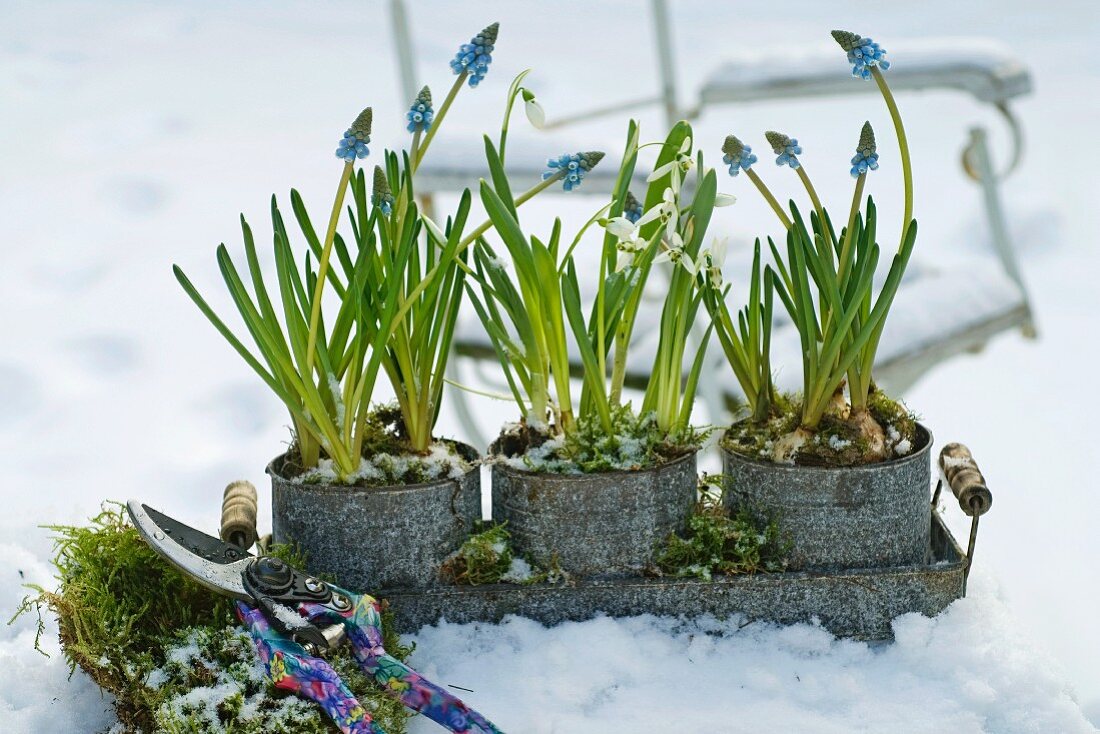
(870, 516)
(602, 524)
(375, 538)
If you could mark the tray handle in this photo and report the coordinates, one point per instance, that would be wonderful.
(969, 487)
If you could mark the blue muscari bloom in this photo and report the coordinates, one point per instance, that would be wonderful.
(474, 57)
(738, 156)
(863, 53)
(382, 196)
(632, 208)
(787, 149)
(420, 115)
(866, 157)
(354, 143)
(575, 167)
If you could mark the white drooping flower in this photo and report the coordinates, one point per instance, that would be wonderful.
(629, 242)
(724, 200)
(713, 260)
(667, 211)
(673, 252)
(680, 164)
(535, 114)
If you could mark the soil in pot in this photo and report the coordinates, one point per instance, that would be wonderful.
(593, 503)
(392, 524)
(838, 510)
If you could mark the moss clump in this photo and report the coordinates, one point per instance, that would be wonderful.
(838, 440)
(169, 650)
(486, 557)
(635, 442)
(388, 457)
(718, 543)
(483, 558)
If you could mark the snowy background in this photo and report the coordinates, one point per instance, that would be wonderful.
(132, 134)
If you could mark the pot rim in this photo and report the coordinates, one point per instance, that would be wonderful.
(554, 476)
(923, 451)
(465, 448)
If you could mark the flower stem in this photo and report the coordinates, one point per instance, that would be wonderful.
(415, 145)
(322, 267)
(817, 206)
(762, 187)
(849, 234)
(903, 147)
(437, 121)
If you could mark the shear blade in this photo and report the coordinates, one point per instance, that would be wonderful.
(211, 562)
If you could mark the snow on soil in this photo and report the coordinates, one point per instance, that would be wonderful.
(133, 133)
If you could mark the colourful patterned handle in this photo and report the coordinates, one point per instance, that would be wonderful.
(292, 669)
(363, 625)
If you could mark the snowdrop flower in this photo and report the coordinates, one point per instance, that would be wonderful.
(866, 157)
(674, 253)
(632, 208)
(738, 156)
(421, 113)
(629, 243)
(354, 143)
(667, 211)
(863, 53)
(574, 167)
(786, 148)
(382, 197)
(713, 260)
(535, 114)
(724, 200)
(474, 57)
(680, 164)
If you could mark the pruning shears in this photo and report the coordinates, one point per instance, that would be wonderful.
(294, 619)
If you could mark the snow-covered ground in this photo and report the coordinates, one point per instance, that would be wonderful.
(132, 134)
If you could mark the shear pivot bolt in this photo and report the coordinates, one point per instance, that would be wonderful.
(340, 601)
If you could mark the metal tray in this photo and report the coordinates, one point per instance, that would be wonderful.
(856, 603)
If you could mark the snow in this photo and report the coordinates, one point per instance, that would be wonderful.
(133, 134)
(518, 572)
(972, 669)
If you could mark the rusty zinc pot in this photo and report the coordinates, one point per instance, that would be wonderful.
(373, 538)
(871, 516)
(602, 524)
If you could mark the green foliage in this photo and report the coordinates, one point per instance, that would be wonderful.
(718, 543)
(483, 558)
(634, 442)
(124, 614)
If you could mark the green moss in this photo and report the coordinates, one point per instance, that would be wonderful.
(892, 413)
(483, 558)
(635, 442)
(718, 543)
(169, 650)
(486, 557)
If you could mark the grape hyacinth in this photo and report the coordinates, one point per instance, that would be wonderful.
(632, 208)
(866, 157)
(354, 143)
(421, 113)
(787, 149)
(382, 197)
(575, 167)
(863, 53)
(738, 156)
(474, 57)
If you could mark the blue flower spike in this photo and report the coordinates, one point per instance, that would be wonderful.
(632, 208)
(866, 157)
(382, 197)
(474, 57)
(787, 149)
(574, 167)
(863, 53)
(421, 113)
(738, 156)
(354, 143)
